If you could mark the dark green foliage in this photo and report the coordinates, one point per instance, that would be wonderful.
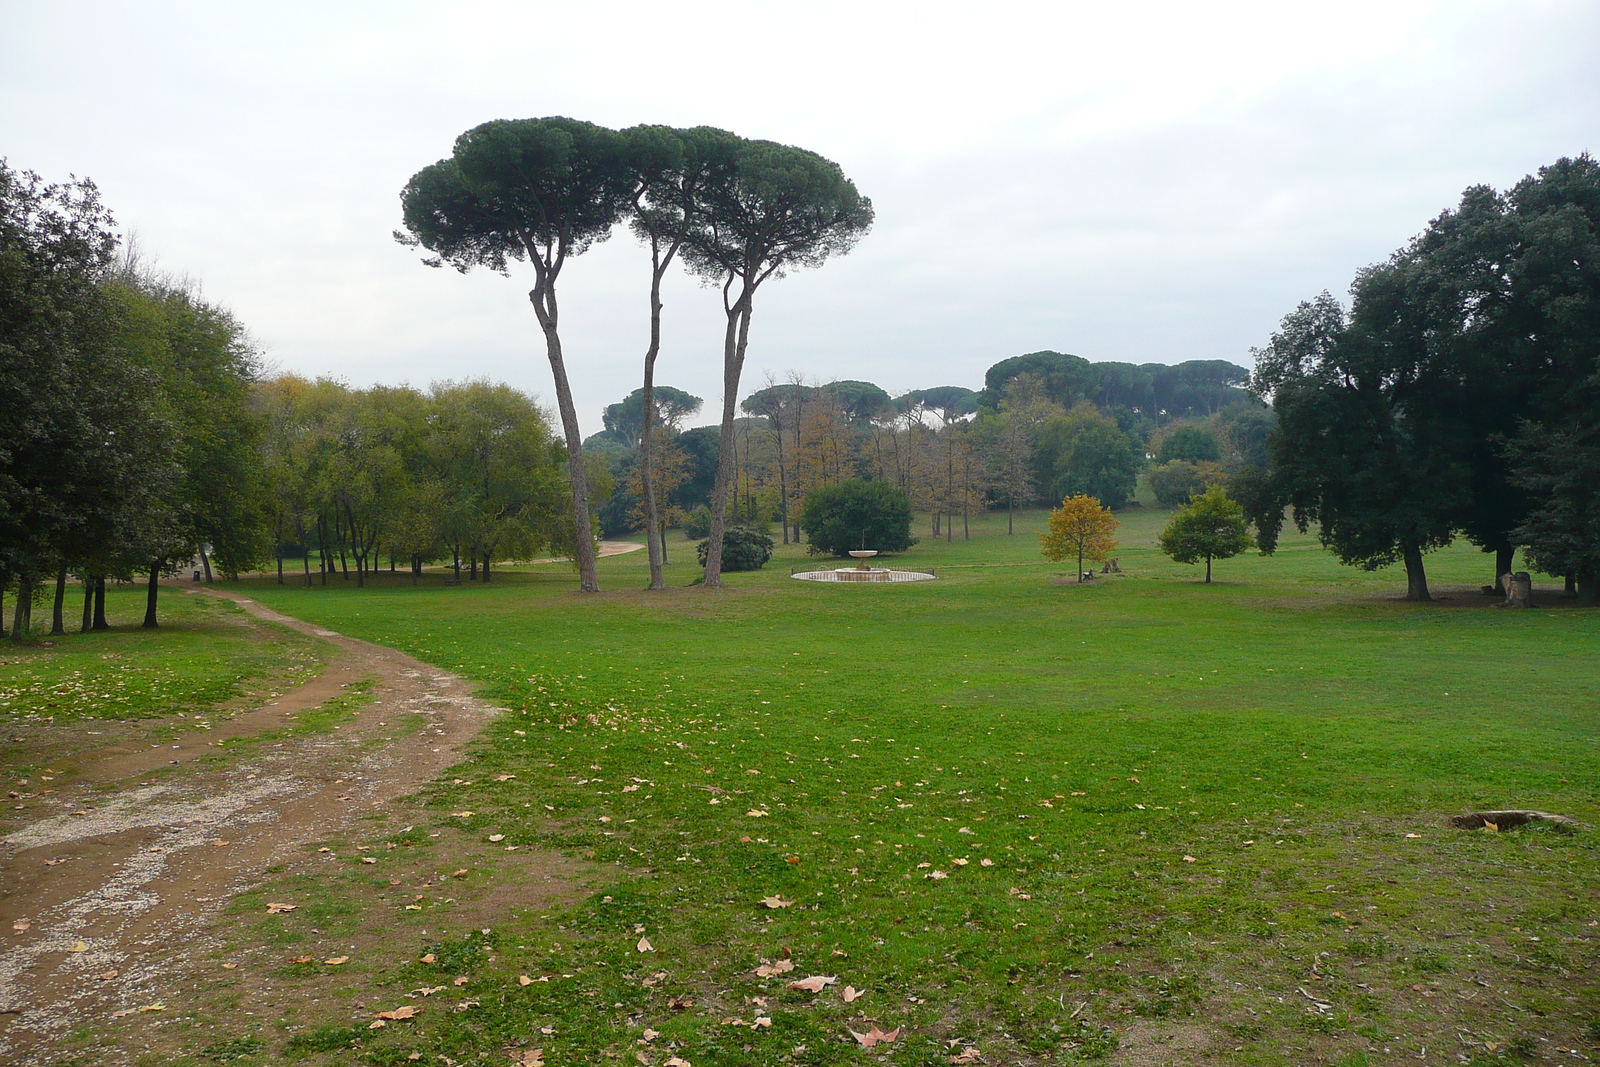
(1209, 527)
(697, 524)
(1156, 391)
(948, 401)
(1189, 443)
(1175, 482)
(1084, 452)
(860, 401)
(625, 419)
(857, 515)
(1562, 530)
(743, 549)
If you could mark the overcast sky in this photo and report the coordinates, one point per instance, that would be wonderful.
(1144, 182)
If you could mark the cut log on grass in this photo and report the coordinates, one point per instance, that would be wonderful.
(1507, 820)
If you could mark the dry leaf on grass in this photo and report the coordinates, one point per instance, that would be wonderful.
(463, 980)
(497, 838)
(430, 958)
(369, 859)
(336, 960)
(21, 925)
(967, 1055)
(504, 777)
(107, 976)
(523, 979)
(279, 909)
(815, 984)
(755, 814)
(772, 970)
(875, 1036)
(299, 959)
(986, 863)
(1188, 859)
(404, 1011)
(428, 990)
(649, 1035)
(461, 814)
(533, 1057)
(677, 1061)
(644, 945)
(761, 1022)
(776, 902)
(937, 875)
(851, 993)
(462, 873)
(79, 946)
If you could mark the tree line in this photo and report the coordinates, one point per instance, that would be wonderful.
(1458, 393)
(1043, 428)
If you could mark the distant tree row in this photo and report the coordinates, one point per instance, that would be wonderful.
(126, 445)
(1457, 395)
(467, 472)
(1030, 438)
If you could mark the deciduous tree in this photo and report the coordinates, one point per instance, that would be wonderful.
(1209, 527)
(1081, 527)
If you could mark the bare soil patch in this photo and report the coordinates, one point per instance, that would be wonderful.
(110, 888)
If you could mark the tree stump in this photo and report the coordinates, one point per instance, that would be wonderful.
(1507, 820)
(1519, 590)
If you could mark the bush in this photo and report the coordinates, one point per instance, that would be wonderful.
(1175, 482)
(743, 549)
(855, 515)
(697, 524)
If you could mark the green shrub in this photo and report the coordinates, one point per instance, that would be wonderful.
(697, 524)
(743, 549)
(1190, 443)
(856, 515)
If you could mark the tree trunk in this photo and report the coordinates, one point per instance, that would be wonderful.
(19, 616)
(100, 622)
(472, 564)
(1208, 570)
(344, 564)
(88, 606)
(280, 562)
(57, 623)
(1570, 591)
(150, 596)
(1587, 589)
(486, 568)
(735, 339)
(655, 540)
(1011, 515)
(205, 563)
(455, 555)
(1080, 563)
(1416, 577)
(307, 567)
(543, 297)
(1504, 555)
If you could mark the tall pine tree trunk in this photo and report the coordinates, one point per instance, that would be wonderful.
(100, 622)
(88, 606)
(543, 298)
(735, 340)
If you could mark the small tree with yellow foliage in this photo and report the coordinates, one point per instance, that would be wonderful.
(1080, 525)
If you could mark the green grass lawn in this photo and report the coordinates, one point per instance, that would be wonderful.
(1142, 818)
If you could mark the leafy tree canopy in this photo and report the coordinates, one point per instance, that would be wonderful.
(1210, 526)
(625, 418)
(1079, 528)
(1189, 443)
(857, 515)
(1084, 452)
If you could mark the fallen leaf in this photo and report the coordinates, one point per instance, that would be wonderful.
(404, 1011)
(959, 862)
(986, 863)
(504, 777)
(1492, 827)
(462, 873)
(21, 925)
(923, 866)
(772, 970)
(755, 814)
(497, 838)
(1188, 859)
(533, 1057)
(299, 959)
(523, 979)
(54, 863)
(815, 984)
(776, 902)
(230, 966)
(644, 945)
(1413, 835)
(851, 994)
(428, 991)
(369, 859)
(677, 1061)
(875, 1036)
(461, 814)
(430, 958)
(463, 980)
(336, 961)
(649, 1035)
(106, 977)
(279, 909)
(79, 946)
(937, 875)
(761, 1022)
(154, 1007)
(967, 1055)
(123, 1012)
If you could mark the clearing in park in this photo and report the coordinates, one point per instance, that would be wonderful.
(1002, 817)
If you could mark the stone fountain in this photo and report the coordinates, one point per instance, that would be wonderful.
(863, 571)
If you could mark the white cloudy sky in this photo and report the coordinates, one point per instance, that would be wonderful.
(1150, 182)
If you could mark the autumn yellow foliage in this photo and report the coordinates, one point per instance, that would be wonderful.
(1079, 526)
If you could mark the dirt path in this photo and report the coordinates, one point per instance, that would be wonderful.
(117, 868)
